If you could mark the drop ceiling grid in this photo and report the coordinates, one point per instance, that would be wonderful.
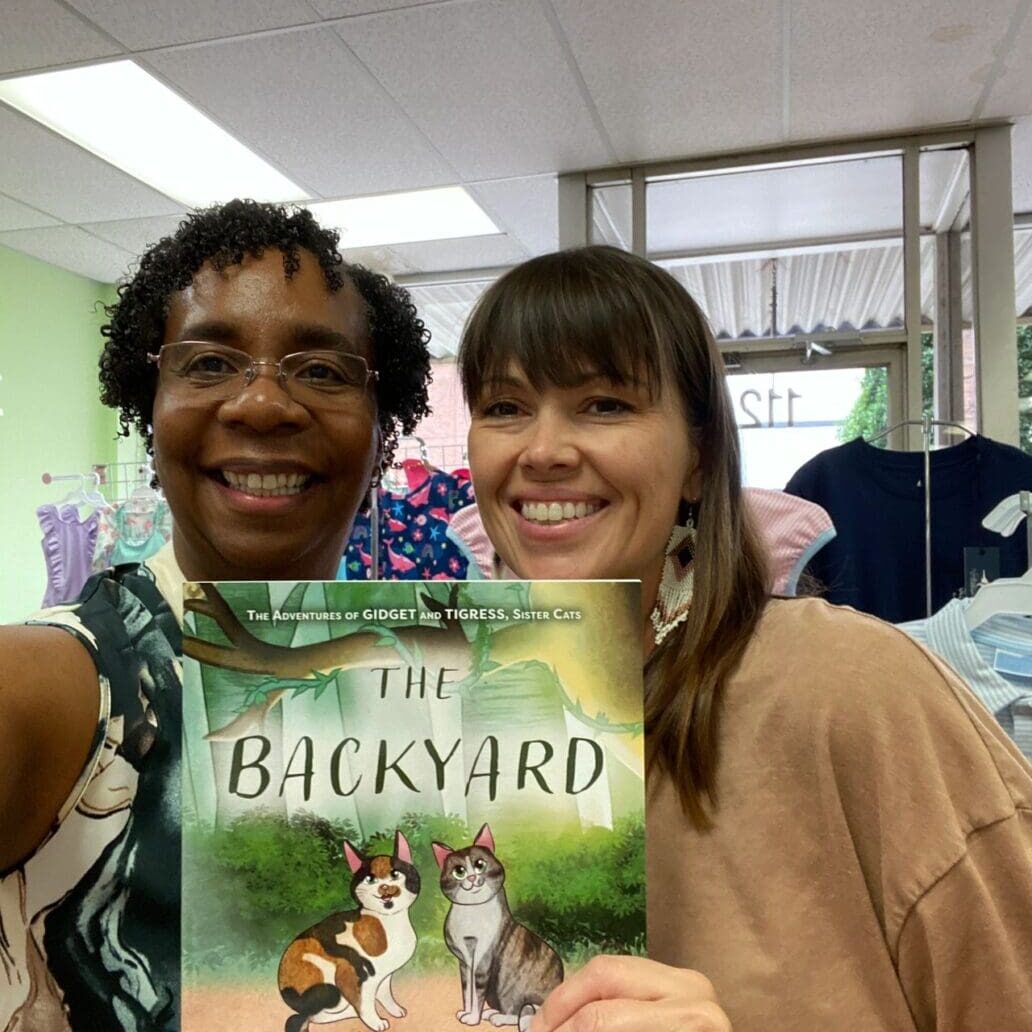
(134, 236)
(1011, 93)
(15, 215)
(527, 207)
(45, 171)
(692, 63)
(896, 66)
(72, 248)
(141, 24)
(317, 114)
(347, 8)
(461, 253)
(39, 33)
(488, 82)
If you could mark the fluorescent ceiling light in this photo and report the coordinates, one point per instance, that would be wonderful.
(404, 218)
(130, 119)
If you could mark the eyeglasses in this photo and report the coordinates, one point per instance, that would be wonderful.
(311, 378)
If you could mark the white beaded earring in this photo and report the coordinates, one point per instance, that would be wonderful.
(677, 585)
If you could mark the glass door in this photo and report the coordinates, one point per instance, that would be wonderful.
(790, 408)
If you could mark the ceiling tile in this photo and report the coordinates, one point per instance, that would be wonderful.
(526, 208)
(42, 169)
(1010, 92)
(676, 92)
(73, 249)
(898, 66)
(15, 215)
(134, 235)
(464, 253)
(346, 8)
(156, 23)
(313, 111)
(379, 259)
(40, 33)
(487, 81)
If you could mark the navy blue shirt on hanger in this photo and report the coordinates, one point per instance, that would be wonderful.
(876, 500)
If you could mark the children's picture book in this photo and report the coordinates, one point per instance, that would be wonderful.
(416, 806)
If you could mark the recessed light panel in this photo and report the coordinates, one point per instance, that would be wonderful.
(127, 117)
(399, 218)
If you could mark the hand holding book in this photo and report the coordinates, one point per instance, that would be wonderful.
(631, 994)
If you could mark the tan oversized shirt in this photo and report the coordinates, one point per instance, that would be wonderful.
(871, 863)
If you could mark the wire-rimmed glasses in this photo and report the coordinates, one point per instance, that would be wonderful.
(203, 369)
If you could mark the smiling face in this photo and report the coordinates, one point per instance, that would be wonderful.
(261, 486)
(581, 481)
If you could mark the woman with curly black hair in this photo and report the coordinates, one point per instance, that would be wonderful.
(270, 380)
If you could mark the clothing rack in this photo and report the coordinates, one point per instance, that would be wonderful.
(926, 424)
(447, 456)
(51, 478)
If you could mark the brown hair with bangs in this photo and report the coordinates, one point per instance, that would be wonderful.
(603, 311)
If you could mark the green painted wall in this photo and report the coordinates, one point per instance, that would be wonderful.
(52, 419)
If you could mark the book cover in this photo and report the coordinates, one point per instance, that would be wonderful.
(410, 806)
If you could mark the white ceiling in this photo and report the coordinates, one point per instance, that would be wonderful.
(348, 97)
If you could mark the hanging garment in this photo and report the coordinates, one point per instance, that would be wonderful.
(995, 659)
(413, 524)
(132, 532)
(792, 530)
(68, 544)
(876, 500)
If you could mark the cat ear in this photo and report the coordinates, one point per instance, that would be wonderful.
(485, 838)
(401, 848)
(441, 853)
(353, 857)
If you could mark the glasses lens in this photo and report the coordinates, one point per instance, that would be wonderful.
(326, 372)
(201, 364)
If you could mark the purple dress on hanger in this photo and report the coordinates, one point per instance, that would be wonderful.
(68, 544)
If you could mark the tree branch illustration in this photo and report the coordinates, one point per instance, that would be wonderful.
(314, 662)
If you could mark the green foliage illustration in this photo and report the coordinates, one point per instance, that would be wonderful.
(266, 878)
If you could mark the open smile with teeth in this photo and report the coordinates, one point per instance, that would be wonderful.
(557, 512)
(266, 485)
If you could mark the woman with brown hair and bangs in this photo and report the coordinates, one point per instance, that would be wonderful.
(839, 835)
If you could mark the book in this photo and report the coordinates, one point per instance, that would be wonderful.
(406, 805)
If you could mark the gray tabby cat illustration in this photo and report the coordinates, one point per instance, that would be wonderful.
(506, 970)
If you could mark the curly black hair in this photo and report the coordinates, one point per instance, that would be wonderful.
(224, 235)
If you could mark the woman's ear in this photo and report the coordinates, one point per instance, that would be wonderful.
(691, 491)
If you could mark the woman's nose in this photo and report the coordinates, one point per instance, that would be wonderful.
(551, 443)
(264, 404)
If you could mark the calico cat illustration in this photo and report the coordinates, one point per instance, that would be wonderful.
(342, 966)
(506, 970)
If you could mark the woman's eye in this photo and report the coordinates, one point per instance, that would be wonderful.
(607, 406)
(321, 374)
(500, 410)
(209, 366)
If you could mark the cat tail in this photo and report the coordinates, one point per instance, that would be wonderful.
(308, 1004)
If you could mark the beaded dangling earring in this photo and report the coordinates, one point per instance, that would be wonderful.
(677, 585)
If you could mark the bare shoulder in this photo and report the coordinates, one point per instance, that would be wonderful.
(49, 705)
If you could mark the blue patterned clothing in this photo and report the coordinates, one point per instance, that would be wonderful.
(990, 659)
(414, 544)
(89, 924)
